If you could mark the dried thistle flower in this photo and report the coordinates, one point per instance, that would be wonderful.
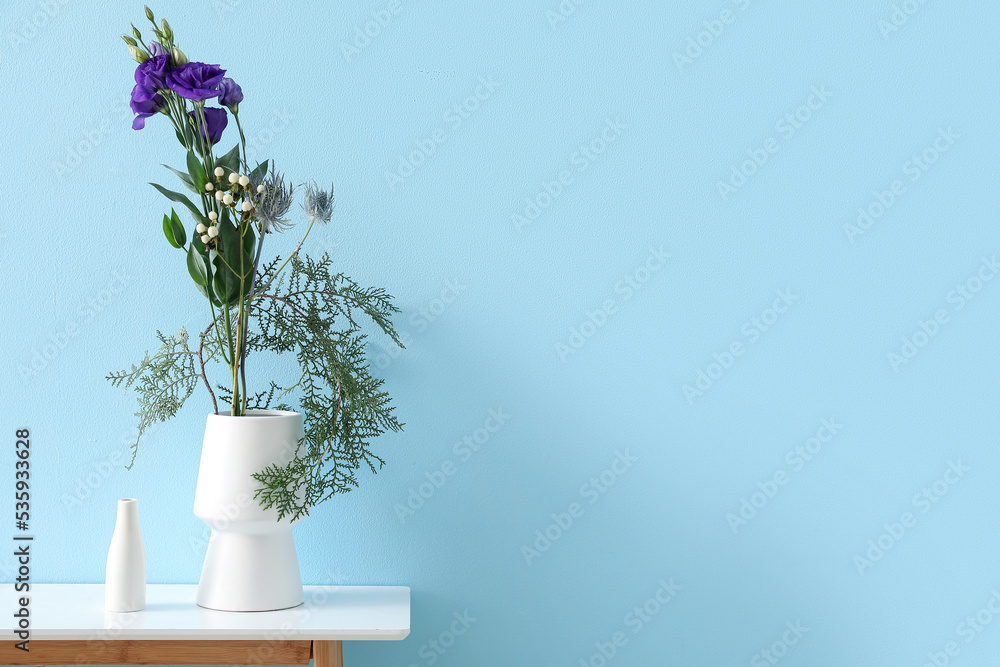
(318, 203)
(273, 203)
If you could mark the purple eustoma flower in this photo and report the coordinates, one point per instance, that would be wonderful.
(230, 94)
(156, 49)
(215, 119)
(145, 102)
(153, 72)
(196, 81)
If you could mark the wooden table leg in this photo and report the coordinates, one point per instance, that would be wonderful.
(328, 654)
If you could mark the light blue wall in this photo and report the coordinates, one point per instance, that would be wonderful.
(85, 265)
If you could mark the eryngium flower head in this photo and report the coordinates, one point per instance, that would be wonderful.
(318, 203)
(273, 203)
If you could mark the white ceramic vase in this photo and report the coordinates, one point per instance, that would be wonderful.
(250, 564)
(125, 577)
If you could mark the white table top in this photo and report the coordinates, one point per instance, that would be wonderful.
(76, 611)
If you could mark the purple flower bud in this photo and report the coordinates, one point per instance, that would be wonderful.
(230, 94)
(215, 120)
(156, 49)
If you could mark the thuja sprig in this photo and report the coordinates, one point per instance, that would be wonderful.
(315, 316)
(163, 382)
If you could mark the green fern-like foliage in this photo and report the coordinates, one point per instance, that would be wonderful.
(163, 382)
(316, 315)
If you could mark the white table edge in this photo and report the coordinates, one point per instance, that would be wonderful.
(339, 635)
(215, 634)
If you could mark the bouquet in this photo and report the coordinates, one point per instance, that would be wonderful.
(296, 305)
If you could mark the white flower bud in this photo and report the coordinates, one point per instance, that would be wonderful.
(209, 187)
(233, 177)
(246, 206)
(260, 189)
(201, 229)
(227, 199)
(220, 172)
(205, 238)
(178, 58)
(213, 231)
(212, 215)
(244, 181)
(219, 194)
(140, 55)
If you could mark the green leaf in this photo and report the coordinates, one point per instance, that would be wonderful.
(178, 228)
(219, 279)
(231, 247)
(168, 231)
(204, 292)
(249, 246)
(180, 199)
(249, 252)
(231, 160)
(197, 266)
(228, 236)
(185, 179)
(258, 174)
(226, 281)
(196, 171)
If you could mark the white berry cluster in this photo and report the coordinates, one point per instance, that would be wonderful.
(227, 193)
(208, 234)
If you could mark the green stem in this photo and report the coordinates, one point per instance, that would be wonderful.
(243, 348)
(293, 254)
(232, 367)
(178, 113)
(201, 136)
(241, 327)
(243, 139)
(215, 318)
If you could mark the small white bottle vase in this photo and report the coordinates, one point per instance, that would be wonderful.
(125, 578)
